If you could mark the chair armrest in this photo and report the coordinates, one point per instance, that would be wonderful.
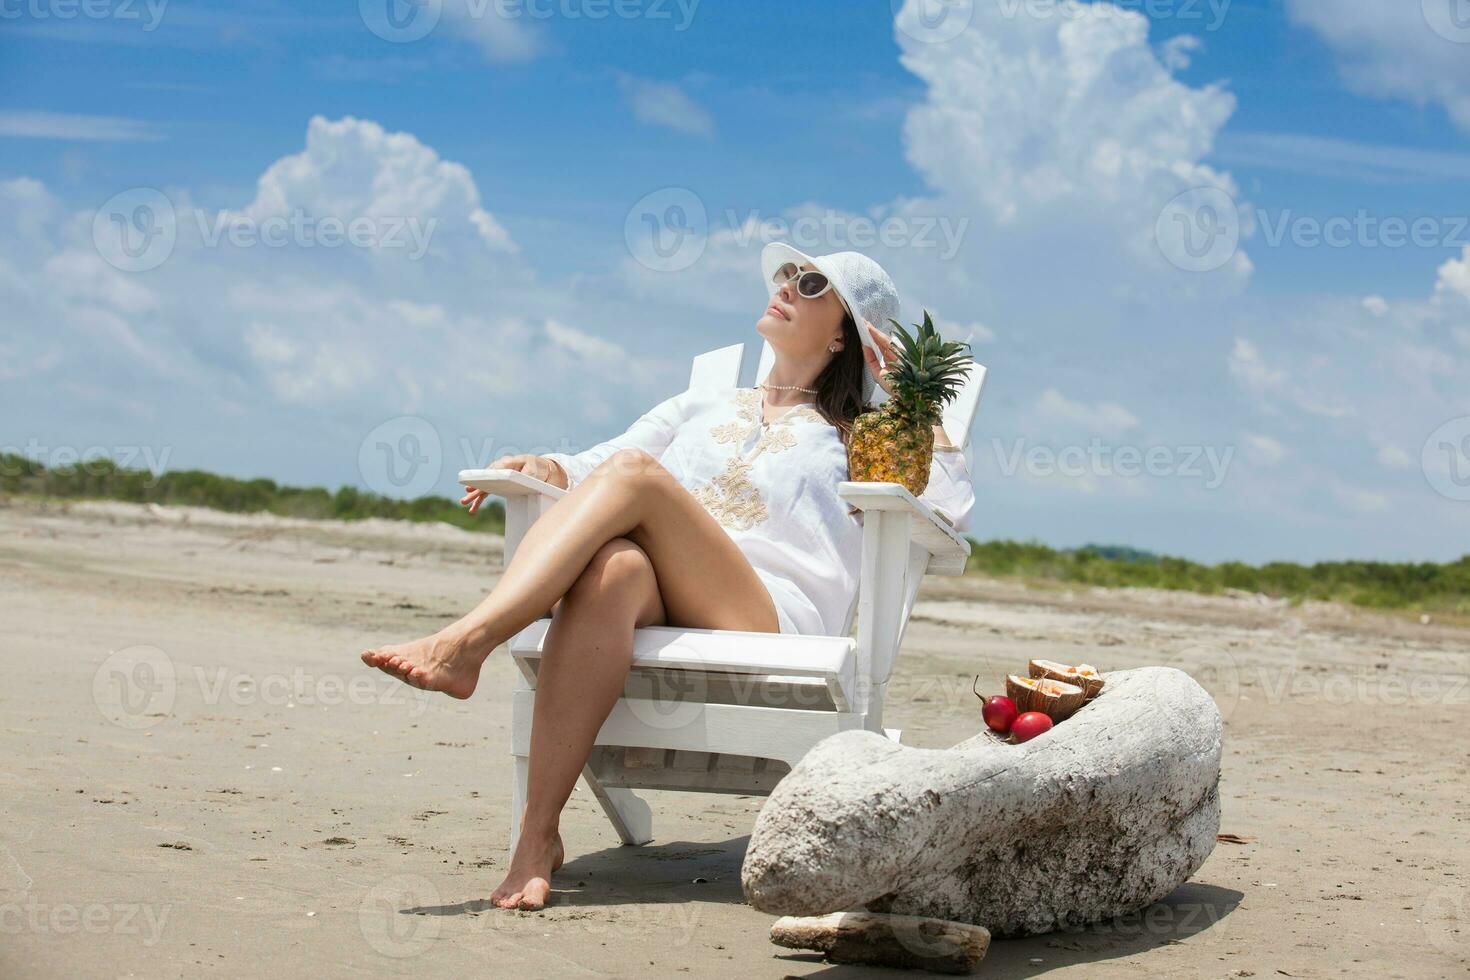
(525, 499)
(948, 549)
(509, 483)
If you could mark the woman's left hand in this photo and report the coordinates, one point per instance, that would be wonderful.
(890, 355)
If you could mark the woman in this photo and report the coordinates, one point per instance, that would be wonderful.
(716, 510)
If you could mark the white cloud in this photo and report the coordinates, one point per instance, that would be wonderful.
(1248, 368)
(1323, 156)
(973, 333)
(70, 126)
(1026, 115)
(1176, 54)
(1454, 277)
(1105, 418)
(1376, 305)
(501, 39)
(665, 104)
(353, 168)
(603, 353)
(1264, 450)
(1392, 49)
(1358, 499)
(1393, 457)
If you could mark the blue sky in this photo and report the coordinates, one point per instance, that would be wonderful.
(1327, 383)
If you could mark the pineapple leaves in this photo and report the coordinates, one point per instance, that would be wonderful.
(928, 372)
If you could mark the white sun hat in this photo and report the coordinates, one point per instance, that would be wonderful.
(864, 288)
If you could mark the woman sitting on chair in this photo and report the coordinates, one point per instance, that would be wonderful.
(716, 510)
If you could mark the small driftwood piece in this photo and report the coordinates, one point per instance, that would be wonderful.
(908, 942)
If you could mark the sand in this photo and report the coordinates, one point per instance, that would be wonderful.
(200, 777)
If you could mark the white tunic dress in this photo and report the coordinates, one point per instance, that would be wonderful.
(773, 488)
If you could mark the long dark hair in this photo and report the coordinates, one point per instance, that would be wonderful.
(840, 385)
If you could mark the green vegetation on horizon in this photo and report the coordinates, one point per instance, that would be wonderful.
(103, 480)
(1425, 586)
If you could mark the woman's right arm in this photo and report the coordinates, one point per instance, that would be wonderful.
(652, 433)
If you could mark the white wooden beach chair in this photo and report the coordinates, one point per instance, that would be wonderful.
(725, 711)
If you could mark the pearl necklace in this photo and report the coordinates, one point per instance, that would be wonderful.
(809, 391)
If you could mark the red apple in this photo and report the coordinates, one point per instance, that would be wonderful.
(1030, 725)
(999, 713)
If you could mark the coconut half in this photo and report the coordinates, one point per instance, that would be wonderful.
(1053, 698)
(1083, 675)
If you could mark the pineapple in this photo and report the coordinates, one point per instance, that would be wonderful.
(895, 443)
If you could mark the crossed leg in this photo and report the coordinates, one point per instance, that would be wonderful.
(627, 547)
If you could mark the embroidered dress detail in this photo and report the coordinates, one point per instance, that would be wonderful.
(731, 497)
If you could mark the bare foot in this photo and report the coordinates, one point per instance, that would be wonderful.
(528, 883)
(436, 663)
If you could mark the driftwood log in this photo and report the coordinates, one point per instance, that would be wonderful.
(904, 941)
(1105, 814)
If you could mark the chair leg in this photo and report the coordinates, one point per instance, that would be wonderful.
(518, 798)
(629, 813)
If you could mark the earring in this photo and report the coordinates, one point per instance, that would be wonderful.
(833, 348)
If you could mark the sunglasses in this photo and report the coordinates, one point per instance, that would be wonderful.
(808, 284)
